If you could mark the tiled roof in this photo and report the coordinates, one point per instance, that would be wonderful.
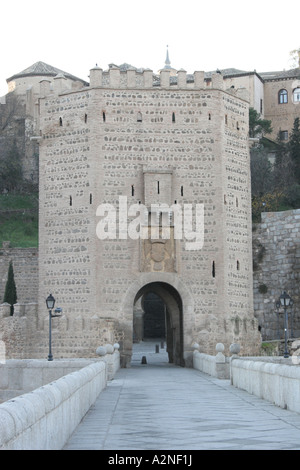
(293, 73)
(42, 69)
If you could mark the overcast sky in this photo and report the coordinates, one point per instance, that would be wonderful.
(74, 35)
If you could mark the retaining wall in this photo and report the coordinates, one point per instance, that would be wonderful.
(45, 418)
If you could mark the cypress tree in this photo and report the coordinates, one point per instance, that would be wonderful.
(10, 294)
(294, 148)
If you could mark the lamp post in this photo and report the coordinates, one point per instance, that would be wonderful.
(285, 301)
(50, 302)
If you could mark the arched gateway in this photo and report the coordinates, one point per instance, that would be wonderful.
(179, 308)
(130, 206)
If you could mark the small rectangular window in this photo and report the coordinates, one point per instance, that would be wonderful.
(283, 135)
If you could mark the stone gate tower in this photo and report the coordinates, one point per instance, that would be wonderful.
(134, 140)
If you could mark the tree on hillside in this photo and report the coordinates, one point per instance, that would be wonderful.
(261, 172)
(12, 109)
(11, 172)
(295, 58)
(10, 294)
(294, 148)
(258, 126)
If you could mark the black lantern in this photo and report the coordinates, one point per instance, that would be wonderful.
(285, 301)
(50, 302)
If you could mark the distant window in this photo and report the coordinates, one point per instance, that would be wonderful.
(296, 95)
(282, 97)
(261, 106)
(283, 135)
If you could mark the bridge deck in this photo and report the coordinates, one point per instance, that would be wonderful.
(161, 406)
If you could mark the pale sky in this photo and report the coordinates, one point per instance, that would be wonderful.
(74, 35)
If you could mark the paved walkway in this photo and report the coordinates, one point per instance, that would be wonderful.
(160, 406)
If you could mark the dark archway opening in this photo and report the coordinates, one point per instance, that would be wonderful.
(154, 316)
(158, 311)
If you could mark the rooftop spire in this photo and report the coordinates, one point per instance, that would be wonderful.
(167, 62)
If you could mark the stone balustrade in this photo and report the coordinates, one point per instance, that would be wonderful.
(275, 379)
(216, 366)
(46, 416)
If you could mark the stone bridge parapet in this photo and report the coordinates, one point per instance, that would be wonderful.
(45, 418)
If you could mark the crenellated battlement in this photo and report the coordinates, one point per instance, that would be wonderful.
(133, 78)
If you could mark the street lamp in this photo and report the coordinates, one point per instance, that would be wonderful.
(50, 302)
(285, 301)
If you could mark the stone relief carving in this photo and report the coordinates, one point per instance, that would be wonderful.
(158, 255)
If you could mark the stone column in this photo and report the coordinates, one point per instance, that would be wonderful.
(138, 322)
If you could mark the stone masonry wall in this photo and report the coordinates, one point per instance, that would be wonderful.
(25, 265)
(103, 142)
(276, 251)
